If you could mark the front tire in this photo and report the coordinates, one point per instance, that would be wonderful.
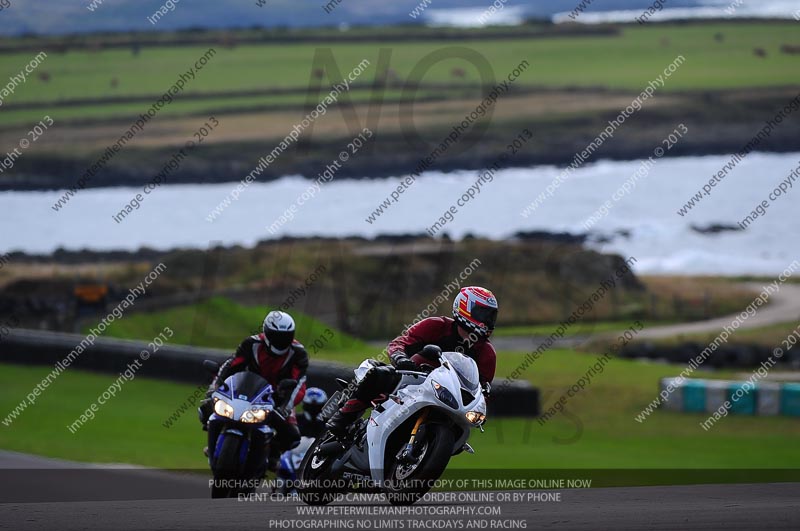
(226, 467)
(407, 484)
(314, 473)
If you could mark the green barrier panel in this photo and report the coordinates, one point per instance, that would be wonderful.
(790, 399)
(745, 402)
(694, 396)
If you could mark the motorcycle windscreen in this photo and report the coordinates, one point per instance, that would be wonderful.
(249, 386)
(466, 369)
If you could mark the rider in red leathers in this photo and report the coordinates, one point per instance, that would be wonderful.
(474, 317)
(277, 357)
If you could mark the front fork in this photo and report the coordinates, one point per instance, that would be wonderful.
(407, 455)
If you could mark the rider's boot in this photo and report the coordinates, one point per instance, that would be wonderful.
(347, 414)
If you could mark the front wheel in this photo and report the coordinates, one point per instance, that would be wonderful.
(237, 468)
(406, 484)
(314, 475)
(226, 467)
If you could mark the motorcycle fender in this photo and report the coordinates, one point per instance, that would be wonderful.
(380, 427)
(226, 432)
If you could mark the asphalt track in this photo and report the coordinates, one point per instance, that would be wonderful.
(784, 306)
(746, 507)
(32, 505)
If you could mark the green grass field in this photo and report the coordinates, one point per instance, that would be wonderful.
(190, 107)
(628, 61)
(221, 323)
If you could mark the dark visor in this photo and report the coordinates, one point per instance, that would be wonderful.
(280, 340)
(485, 315)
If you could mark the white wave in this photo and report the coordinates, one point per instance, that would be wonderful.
(724, 9)
(471, 17)
(662, 241)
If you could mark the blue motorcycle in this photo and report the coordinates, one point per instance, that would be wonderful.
(239, 434)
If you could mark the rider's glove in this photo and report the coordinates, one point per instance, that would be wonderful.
(403, 363)
(283, 393)
(205, 409)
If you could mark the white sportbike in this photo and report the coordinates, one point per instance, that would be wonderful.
(407, 442)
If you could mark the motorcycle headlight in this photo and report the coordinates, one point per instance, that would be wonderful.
(475, 417)
(223, 409)
(444, 396)
(253, 416)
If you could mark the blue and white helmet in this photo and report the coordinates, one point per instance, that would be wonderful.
(279, 332)
(314, 400)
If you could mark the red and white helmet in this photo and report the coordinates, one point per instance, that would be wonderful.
(475, 310)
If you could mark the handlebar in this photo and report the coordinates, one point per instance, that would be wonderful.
(211, 366)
